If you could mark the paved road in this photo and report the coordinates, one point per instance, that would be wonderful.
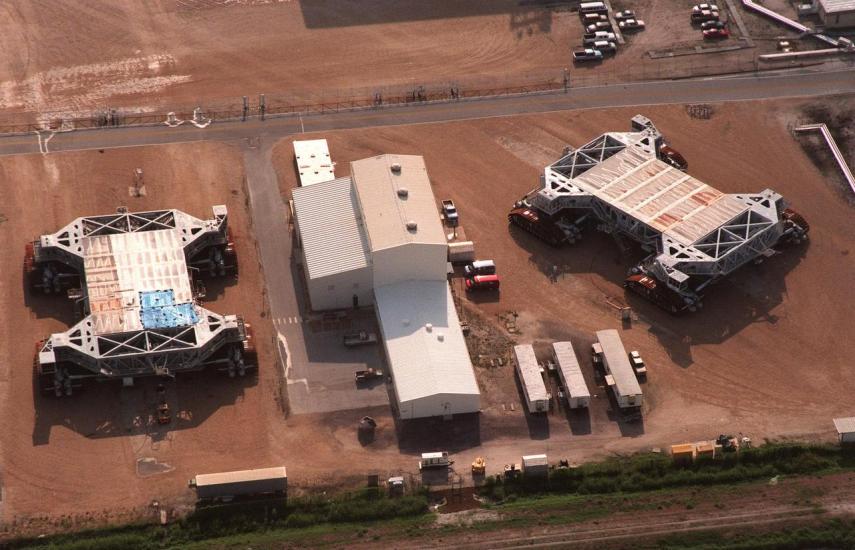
(318, 370)
(797, 83)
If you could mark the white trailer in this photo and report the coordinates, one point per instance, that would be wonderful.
(570, 374)
(616, 363)
(531, 380)
(226, 485)
(535, 466)
(314, 164)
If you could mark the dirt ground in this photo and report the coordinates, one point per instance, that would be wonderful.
(81, 454)
(766, 357)
(70, 58)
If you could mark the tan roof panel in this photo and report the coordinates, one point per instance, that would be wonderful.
(660, 196)
(398, 205)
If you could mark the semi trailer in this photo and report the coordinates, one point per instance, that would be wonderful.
(531, 380)
(570, 374)
(242, 483)
(620, 375)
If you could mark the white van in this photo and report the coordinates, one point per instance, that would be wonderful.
(592, 7)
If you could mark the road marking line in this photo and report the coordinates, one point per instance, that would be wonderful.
(283, 345)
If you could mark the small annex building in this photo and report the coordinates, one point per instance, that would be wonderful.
(837, 14)
(376, 238)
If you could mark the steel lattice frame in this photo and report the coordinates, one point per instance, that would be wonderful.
(749, 235)
(139, 352)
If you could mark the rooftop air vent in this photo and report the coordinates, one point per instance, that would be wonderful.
(396, 168)
(403, 192)
(412, 226)
(428, 327)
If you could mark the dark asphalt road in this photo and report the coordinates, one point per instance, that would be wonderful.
(799, 83)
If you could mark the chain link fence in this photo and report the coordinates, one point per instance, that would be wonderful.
(306, 104)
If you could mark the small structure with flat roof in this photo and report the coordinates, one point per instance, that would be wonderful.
(836, 14)
(314, 164)
(845, 429)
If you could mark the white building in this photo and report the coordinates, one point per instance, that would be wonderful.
(376, 238)
(336, 258)
(845, 429)
(312, 157)
(837, 14)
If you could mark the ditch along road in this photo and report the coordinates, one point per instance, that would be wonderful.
(783, 84)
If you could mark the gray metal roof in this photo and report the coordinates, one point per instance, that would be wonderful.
(331, 229)
(569, 369)
(837, 6)
(617, 362)
(845, 425)
(424, 342)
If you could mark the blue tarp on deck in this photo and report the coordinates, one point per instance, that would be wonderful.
(159, 310)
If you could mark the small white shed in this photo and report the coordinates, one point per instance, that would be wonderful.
(845, 429)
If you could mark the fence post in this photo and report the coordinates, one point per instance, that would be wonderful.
(245, 108)
(262, 107)
(566, 80)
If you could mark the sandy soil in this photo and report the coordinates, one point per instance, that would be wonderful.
(80, 454)
(71, 58)
(766, 357)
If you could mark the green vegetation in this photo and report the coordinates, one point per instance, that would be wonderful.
(650, 472)
(830, 534)
(247, 518)
(644, 481)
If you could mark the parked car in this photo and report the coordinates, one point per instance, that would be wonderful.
(638, 365)
(713, 34)
(450, 212)
(483, 282)
(704, 7)
(590, 18)
(588, 54)
(706, 25)
(601, 26)
(599, 35)
(480, 267)
(605, 46)
(631, 25)
(705, 15)
(590, 42)
(625, 14)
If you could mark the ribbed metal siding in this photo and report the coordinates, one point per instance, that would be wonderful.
(331, 231)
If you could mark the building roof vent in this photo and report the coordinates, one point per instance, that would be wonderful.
(412, 226)
(396, 168)
(428, 327)
(403, 192)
